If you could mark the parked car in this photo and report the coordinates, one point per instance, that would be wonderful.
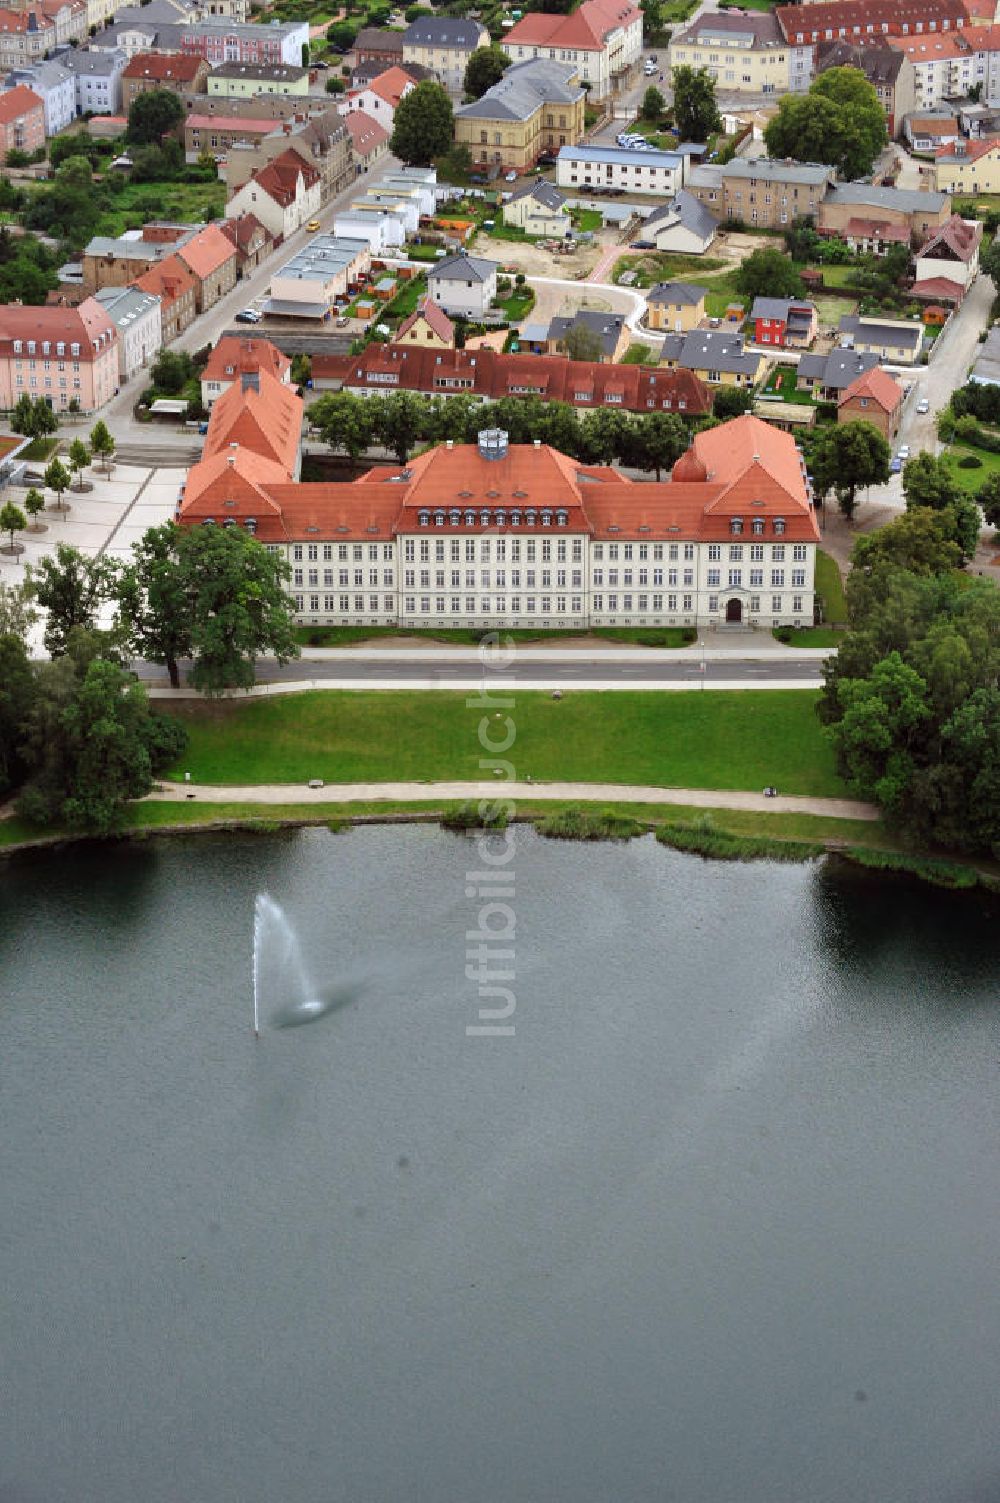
(510, 177)
(895, 466)
(248, 316)
(923, 405)
(903, 452)
(312, 226)
(342, 322)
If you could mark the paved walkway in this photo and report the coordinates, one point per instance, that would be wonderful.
(604, 793)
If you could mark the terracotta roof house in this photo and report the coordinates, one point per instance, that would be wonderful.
(176, 288)
(355, 549)
(950, 254)
(369, 139)
(58, 354)
(427, 325)
(486, 374)
(211, 257)
(163, 70)
(377, 44)
(261, 413)
(857, 20)
(379, 98)
(604, 38)
(968, 166)
(234, 358)
(283, 194)
(22, 121)
(875, 398)
(251, 240)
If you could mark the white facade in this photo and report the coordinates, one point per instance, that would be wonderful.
(137, 317)
(280, 218)
(97, 79)
(55, 87)
(596, 66)
(464, 296)
(370, 102)
(587, 167)
(380, 228)
(565, 581)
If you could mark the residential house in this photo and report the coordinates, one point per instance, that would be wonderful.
(428, 327)
(602, 37)
(55, 87)
(746, 52)
(130, 39)
(175, 286)
(234, 358)
(968, 167)
(464, 286)
(137, 317)
(947, 263)
(380, 224)
(369, 140)
(684, 226)
(97, 77)
(109, 262)
(58, 353)
(607, 331)
(929, 131)
(951, 66)
(537, 108)
(715, 356)
(675, 307)
(218, 134)
(731, 536)
(325, 272)
(889, 71)
(155, 70)
(375, 44)
(898, 341)
(230, 42)
(873, 237)
(986, 369)
(379, 99)
(321, 140)
(813, 25)
(211, 257)
(586, 167)
(873, 398)
(22, 122)
(251, 240)
(790, 323)
(761, 192)
(539, 209)
(827, 376)
(918, 213)
(284, 195)
(26, 37)
(248, 80)
(444, 44)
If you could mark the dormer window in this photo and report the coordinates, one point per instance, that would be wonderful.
(484, 517)
(500, 516)
(530, 516)
(757, 526)
(515, 518)
(736, 526)
(439, 519)
(251, 525)
(546, 518)
(454, 516)
(423, 518)
(562, 518)
(779, 526)
(470, 519)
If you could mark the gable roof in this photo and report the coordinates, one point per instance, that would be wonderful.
(587, 28)
(378, 39)
(169, 279)
(878, 386)
(279, 179)
(366, 134)
(958, 153)
(172, 67)
(244, 231)
(433, 316)
(688, 212)
(205, 252)
(810, 23)
(547, 194)
(958, 236)
(18, 102)
(838, 368)
(463, 269)
(260, 413)
(444, 31)
(234, 356)
(391, 85)
(681, 294)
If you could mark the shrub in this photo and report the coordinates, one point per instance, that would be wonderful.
(689, 634)
(475, 816)
(574, 823)
(970, 462)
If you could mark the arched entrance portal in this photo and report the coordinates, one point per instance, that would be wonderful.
(734, 610)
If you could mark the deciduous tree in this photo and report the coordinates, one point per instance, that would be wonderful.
(71, 588)
(153, 115)
(344, 421)
(240, 607)
(767, 273)
(847, 458)
(57, 478)
(79, 459)
(696, 113)
(652, 104)
(486, 66)
(838, 121)
(12, 519)
(423, 125)
(927, 481)
(102, 444)
(400, 420)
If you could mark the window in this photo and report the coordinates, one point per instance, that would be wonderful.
(778, 553)
(714, 552)
(712, 577)
(775, 603)
(777, 578)
(736, 553)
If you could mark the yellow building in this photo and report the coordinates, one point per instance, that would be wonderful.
(246, 80)
(715, 356)
(676, 307)
(427, 326)
(968, 167)
(744, 53)
(535, 108)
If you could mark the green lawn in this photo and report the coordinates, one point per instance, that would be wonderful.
(970, 480)
(39, 449)
(838, 276)
(587, 220)
(812, 636)
(518, 304)
(705, 740)
(183, 203)
(350, 636)
(660, 266)
(406, 299)
(830, 585)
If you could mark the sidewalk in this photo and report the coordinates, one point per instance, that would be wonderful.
(618, 793)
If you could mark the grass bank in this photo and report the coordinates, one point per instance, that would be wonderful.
(740, 739)
(352, 636)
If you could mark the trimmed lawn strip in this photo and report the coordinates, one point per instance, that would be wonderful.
(830, 585)
(811, 636)
(350, 636)
(726, 739)
(970, 480)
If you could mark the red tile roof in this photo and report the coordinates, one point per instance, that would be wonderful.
(957, 153)
(366, 134)
(244, 232)
(205, 252)
(435, 317)
(235, 356)
(390, 85)
(485, 373)
(848, 18)
(878, 386)
(229, 123)
(17, 103)
(939, 290)
(960, 236)
(87, 325)
(169, 279)
(279, 179)
(171, 67)
(587, 27)
(266, 418)
(875, 229)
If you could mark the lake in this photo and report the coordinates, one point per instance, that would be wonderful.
(717, 1223)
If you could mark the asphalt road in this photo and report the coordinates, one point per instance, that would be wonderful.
(583, 675)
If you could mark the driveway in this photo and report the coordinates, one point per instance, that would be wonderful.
(554, 296)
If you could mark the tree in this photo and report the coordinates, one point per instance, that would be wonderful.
(400, 419)
(652, 104)
(423, 125)
(301, 370)
(989, 261)
(486, 66)
(155, 600)
(171, 371)
(580, 342)
(731, 401)
(847, 457)
(240, 607)
(92, 744)
(71, 589)
(696, 114)
(153, 115)
(919, 541)
(57, 478)
(988, 497)
(344, 421)
(660, 438)
(79, 459)
(12, 519)
(964, 523)
(102, 444)
(33, 417)
(927, 481)
(34, 502)
(767, 273)
(17, 615)
(883, 722)
(305, 54)
(605, 435)
(838, 121)
(17, 687)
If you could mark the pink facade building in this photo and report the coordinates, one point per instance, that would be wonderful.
(22, 122)
(58, 354)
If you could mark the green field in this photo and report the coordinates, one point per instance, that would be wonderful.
(350, 636)
(830, 585)
(740, 740)
(812, 636)
(660, 266)
(970, 480)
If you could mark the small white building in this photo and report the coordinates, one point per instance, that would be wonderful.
(539, 209)
(284, 195)
(97, 77)
(378, 100)
(324, 271)
(404, 206)
(137, 317)
(464, 286)
(684, 226)
(380, 227)
(586, 167)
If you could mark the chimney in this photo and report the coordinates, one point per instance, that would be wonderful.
(538, 443)
(449, 443)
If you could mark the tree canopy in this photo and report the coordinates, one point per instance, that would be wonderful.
(423, 125)
(767, 273)
(696, 113)
(486, 66)
(153, 115)
(71, 589)
(848, 457)
(839, 121)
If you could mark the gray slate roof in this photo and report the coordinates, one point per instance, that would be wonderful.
(463, 269)
(904, 199)
(685, 210)
(621, 156)
(837, 369)
(681, 294)
(81, 62)
(542, 192)
(765, 170)
(895, 336)
(522, 90)
(607, 326)
(444, 31)
(712, 350)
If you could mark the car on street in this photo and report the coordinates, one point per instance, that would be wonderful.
(903, 452)
(248, 316)
(923, 405)
(312, 226)
(342, 322)
(510, 177)
(895, 467)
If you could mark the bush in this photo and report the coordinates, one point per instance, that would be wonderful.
(783, 633)
(475, 816)
(574, 823)
(689, 634)
(970, 462)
